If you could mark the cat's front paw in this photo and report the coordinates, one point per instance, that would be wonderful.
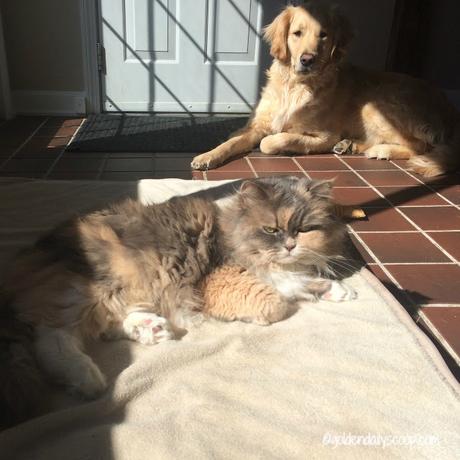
(339, 292)
(147, 328)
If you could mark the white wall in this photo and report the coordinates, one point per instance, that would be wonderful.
(44, 52)
(43, 42)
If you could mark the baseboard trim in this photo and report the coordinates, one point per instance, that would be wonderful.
(49, 102)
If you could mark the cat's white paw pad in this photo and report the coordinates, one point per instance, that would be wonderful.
(147, 328)
(339, 292)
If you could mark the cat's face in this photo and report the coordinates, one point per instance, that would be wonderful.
(287, 221)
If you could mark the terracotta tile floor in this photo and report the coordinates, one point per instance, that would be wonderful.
(410, 239)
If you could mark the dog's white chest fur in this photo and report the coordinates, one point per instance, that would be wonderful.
(291, 100)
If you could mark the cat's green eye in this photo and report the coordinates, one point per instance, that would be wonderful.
(270, 229)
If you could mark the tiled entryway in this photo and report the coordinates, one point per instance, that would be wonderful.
(410, 238)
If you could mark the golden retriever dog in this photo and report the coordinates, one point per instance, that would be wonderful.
(313, 100)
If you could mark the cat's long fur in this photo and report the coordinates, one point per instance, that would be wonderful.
(111, 272)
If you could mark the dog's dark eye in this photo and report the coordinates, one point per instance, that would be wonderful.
(323, 34)
(297, 33)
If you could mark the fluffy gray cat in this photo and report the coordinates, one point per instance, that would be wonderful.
(138, 272)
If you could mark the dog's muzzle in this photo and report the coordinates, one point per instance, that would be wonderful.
(306, 62)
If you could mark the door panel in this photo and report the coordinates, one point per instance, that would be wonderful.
(233, 18)
(149, 31)
(184, 55)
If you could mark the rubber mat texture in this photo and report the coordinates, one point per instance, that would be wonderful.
(155, 133)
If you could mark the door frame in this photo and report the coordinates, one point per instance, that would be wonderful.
(6, 105)
(89, 21)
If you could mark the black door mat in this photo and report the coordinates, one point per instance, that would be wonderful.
(153, 133)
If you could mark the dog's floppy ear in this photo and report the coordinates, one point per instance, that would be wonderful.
(276, 34)
(343, 33)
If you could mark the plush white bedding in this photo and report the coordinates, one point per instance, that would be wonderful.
(299, 389)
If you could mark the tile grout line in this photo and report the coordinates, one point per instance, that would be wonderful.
(418, 313)
(441, 305)
(53, 164)
(351, 186)
(427, 186)
(4, 162)
(347, 170)
(382, 267)
(411, 263)
(425, 206)
(301, 168)
(419, 263)
(435, 243)
(248, 161)
(403, 231)
(444, 231)
(439, 337)
(102, 167)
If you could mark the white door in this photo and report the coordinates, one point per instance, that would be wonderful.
(184, 55)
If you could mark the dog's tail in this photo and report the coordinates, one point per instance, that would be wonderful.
(22, 386)
(442, 158)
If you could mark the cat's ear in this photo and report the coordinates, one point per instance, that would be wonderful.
(253, 191)
(320, 188)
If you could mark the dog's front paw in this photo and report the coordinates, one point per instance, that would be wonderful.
(147, 328)
(378, 153)
(204, 161)
(273, 144)
(339, 292)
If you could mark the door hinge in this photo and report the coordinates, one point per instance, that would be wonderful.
(100, 52)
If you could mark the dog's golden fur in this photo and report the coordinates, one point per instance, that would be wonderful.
(309, 108)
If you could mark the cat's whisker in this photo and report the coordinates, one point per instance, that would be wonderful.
(343, 261)
(331, 261)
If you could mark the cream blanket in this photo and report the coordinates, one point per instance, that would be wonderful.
(352, 380)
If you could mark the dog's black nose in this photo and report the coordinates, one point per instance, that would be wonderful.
(307, 59)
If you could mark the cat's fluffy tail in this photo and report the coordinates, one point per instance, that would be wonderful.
(22, 387)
